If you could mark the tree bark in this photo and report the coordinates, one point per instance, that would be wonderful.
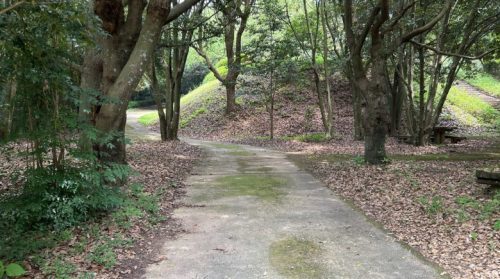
(127, 52)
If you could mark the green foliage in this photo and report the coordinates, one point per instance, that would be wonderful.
(496, 225)
(432, 205)
(11, 270)
(149, 119)
(187, 119)
(104, 254)
(60, 198)
(486, 83)
(359, 160)
(222, 70)
(59, 268)
(470, 207)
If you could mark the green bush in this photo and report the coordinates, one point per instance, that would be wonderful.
(11, 270)
(193, 77)
(61, 198)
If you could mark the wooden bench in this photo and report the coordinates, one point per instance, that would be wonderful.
(440, 133)
(455, 139)
(490, 177)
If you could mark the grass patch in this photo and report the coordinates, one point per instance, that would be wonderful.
(472, 105)
(186, 120)
(149, 119)
(293, 257)
(486, 83)
(198, 94)
(264, 187)
(226, 146)
(240, 153)
(104, 253)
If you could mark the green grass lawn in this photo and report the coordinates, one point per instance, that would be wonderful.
(486, 83)
(482, 111)
(149, 119)
(198, 94)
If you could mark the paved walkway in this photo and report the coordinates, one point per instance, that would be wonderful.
(494, 101)
(251, 213)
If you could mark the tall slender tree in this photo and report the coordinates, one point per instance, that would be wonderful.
(234, 19)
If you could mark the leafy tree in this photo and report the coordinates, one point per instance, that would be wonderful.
(372, 26)
(233, 20)
(313, 41)
(172, 57)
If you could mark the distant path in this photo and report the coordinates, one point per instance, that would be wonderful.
(251, 213)
(137, 131)
(495, 102)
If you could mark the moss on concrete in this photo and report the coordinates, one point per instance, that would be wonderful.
(241, 153)
(264, 187)
(226, 146)
(294, 257)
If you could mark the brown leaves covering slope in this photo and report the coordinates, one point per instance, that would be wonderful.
(419, 202)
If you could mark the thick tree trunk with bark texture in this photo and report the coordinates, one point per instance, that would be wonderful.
(126, 52)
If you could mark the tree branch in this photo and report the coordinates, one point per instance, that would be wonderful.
(179, 9)
(396, 19)
(415, 32)
(13, 6)
(453, 54)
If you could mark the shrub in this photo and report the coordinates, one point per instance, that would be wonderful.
(193, 77)
(60, 198)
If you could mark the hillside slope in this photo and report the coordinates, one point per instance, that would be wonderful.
(296, 111)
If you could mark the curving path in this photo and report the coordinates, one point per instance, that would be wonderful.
(492, 100)
(251, 213)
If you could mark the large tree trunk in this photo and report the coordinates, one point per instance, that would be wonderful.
(111, 117)
(127, 52)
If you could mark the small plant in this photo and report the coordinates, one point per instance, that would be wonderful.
(104, 253)
(432, 205)
(11, 270)
(359, 160)
(59, 268)
(413, 181)
(496, 225)
(474, 236)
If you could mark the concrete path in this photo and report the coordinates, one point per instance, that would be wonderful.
(135, 130)
(494, 101)
(251, 213)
